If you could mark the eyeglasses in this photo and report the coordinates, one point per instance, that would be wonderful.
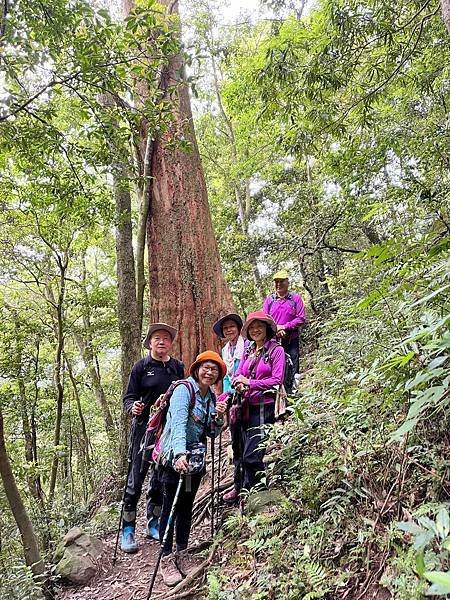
(210, 369)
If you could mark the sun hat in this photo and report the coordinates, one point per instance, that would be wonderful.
(218, 325)
(209, 355)
(259, 315)
(283, 274)
(154, 327)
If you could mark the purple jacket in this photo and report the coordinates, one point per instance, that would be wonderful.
(288, 311)
(269, 372)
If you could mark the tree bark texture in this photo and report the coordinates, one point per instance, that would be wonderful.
(445, 9)
(29, 540)
(187, 285)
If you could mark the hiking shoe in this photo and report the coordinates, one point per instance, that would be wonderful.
(183, 563)
(153, 528)
(169, 570)
(231, 496)
(129, 543)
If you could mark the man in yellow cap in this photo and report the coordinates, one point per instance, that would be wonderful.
(288, 311)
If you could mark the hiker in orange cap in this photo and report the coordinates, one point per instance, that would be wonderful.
(193, 415)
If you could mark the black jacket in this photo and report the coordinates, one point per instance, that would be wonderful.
(149, 378)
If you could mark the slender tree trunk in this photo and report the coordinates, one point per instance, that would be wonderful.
(89, 359)
(143, 193)
(29, 540)
(32, 480)
(84, 433)
(57, 375)
(85, 344)
(33, 426)
(445, 8)
(126, 281)
(130, 333)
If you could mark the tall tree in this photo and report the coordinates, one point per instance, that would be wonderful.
(187, 286)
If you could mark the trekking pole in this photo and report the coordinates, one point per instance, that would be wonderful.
(213, 431)
(219, 476)
(121, 511)
(166, 534)
(241, 451)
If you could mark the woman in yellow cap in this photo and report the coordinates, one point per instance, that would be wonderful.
(189, 420)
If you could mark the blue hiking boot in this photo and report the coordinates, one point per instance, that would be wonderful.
(153, 528)
(129, 543)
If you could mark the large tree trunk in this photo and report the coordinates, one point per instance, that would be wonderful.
(29, 540)
(187, 286)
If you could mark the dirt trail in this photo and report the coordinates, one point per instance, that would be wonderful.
(129, 579)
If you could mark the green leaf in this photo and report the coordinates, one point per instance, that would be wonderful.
(423, 539)
(409, 527)
(420, 564)
(433, 294)
(439, 577)
(443, 523)
(407, 426)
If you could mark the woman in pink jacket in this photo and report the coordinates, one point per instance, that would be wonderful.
(257, 380)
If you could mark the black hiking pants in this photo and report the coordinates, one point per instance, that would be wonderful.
(247, 440)
(183, 513)
(136, 476)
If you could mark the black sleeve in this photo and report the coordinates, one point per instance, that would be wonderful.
(180, 370)
(133, 392)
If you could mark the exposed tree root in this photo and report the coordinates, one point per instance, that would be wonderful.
(194, 574)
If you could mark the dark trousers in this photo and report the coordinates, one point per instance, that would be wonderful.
(183, 512)
(246, 440)
(291, 346)
(136, 477)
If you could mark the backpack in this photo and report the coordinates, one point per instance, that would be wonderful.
(151, 447)
(288, 377)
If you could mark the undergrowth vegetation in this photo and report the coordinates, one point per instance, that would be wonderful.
(363, 461)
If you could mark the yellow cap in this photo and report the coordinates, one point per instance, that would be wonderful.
(283, 274)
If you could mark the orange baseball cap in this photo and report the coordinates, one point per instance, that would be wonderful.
(209, 355)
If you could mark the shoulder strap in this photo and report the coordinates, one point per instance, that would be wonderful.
(186, 384)
(290, 297)
(272, 300)
(268, 353)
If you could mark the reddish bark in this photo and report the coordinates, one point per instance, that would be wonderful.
(187, 285)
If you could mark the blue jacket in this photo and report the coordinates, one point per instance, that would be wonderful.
(184, 426)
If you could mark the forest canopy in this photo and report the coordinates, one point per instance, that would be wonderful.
(323, 132)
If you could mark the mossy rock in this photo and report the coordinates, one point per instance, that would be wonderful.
(76, 565)
(77, 554)
(257, 502)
